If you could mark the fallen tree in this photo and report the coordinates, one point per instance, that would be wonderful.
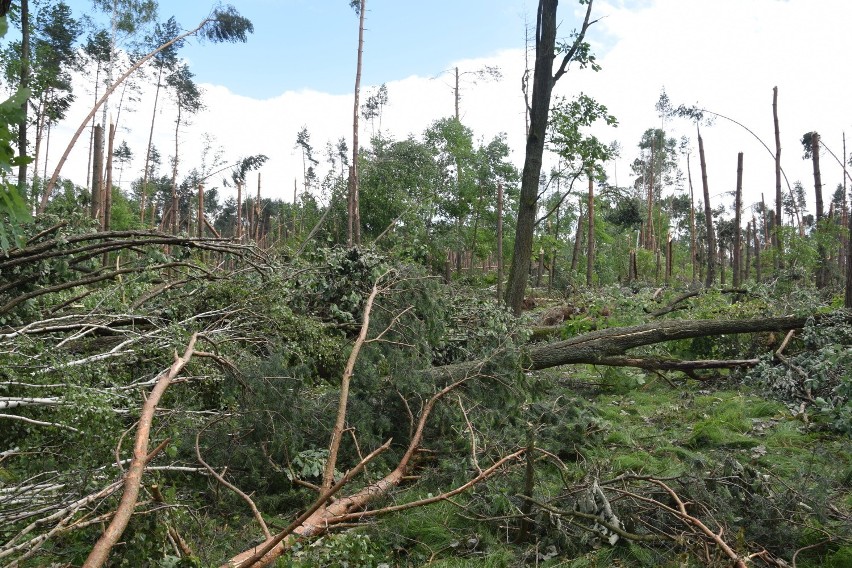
(608, 346)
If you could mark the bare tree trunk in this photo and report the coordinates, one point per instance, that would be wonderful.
(175, 207)
(24, 84)
(97, 174)
(757, 267)
(738, 206)
(710, 277)
(649, 223)
(578, 237)
(747, 269)
(239, 232)
(820, 211)
(201, 217)
(136, 65)
(543, 81)
(776, 237)
(590, 239)
(693, 245)
(354, 237)
(499, 242)
(150, 144)
(107, 191)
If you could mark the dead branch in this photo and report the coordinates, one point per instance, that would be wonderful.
(132, 480)
(271, 549)
(690, 520)
(337, 432)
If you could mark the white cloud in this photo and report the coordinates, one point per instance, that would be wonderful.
(725, 55)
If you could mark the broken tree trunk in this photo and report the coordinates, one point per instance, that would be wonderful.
(598, 346)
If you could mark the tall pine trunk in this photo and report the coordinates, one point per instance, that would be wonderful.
(776, 236)
(738, 206)
(710, 276)
(590, 243)
(820, 211)
(354, 236)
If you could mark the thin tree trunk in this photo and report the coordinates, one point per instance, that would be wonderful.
(141, 61)
(97, 174)
(578, 237)
(710, 276)
(738, 206)
(24, 84)
(354, 237)
(776, 237)
(150, 143)
(747, 269)
(175, 208)
(649, 223)
(107, 191)
(693, 245)
(201, 217)
(757, 267)
(239, 212)
(499, 242)
(590, 239)
(820, 212)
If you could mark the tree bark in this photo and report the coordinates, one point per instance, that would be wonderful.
(132, 479)
(710, 277)
(738, 206)
(543, 81)
(354, 237)
(590, 243)
(97, 174)
(693, 248)
(499, 242)
(24, 83)
(776, 238)
(820, 210)
(599, 346)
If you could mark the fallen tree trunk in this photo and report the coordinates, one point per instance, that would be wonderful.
(599, 346)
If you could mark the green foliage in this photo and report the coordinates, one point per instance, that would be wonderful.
(13, 208)
(347, 550)
(580, 152)
(227, 25)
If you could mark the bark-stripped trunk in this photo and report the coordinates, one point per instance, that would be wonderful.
(107, 191)
(820, 212)
(354, 236)
(499, 242)
(756, 250)
(710, 276)
(776, 237)
(97, 174)
(649, 222)
(738, 206)
(693, 248)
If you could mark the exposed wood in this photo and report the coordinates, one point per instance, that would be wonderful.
(133, 478)
(738, 207)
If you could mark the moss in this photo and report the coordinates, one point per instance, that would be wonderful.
(716, 434)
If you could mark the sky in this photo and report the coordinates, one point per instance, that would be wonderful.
(298, 68)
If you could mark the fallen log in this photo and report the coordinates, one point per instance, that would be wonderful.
(599, 346)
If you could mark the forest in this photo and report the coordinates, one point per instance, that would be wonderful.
(429, 355)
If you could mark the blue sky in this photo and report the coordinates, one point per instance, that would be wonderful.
(311, 44)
